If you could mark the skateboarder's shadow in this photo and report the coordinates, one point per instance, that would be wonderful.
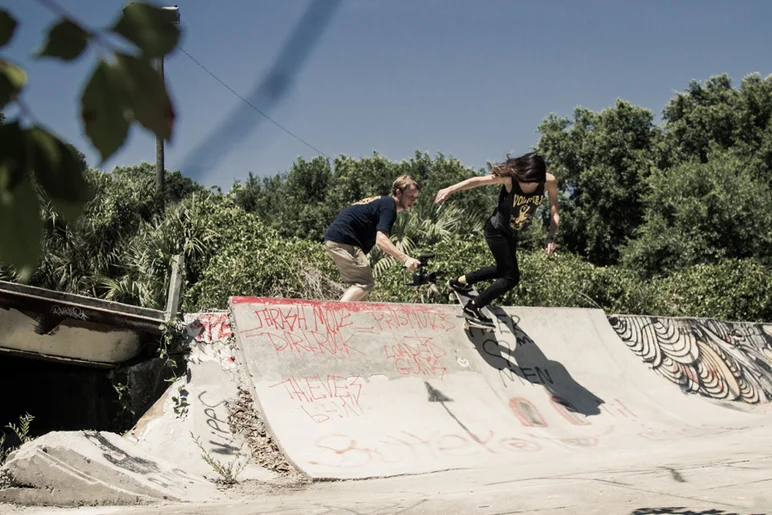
(519, 358)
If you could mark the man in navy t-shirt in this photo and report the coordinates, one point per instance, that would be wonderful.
(363, 225)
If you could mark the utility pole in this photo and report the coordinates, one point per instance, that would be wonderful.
(159, 142)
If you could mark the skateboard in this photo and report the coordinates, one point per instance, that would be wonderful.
(463, 299)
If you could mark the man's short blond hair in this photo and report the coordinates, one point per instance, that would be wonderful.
(402, 183)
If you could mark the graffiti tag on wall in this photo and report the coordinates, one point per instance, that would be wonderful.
(210, 327)
(721, 360)
(324, 397)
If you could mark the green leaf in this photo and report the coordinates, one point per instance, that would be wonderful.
(66, 40)
(149, 99)
(7, 27)
(12, 80)
(13, 159)
(104, 109)
(20, 225)
(59, 172)
(152, 29)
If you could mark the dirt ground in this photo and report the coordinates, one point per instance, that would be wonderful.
(244, 420)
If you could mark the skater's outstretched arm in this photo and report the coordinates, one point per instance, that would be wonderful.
(468, 184)
(552, 191)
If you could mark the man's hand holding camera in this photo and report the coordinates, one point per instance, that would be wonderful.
(411, 264)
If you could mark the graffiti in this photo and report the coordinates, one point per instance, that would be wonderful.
(582, 443)
(318, 316)
(221, 437)
(310, 343)
(69, 311)
(295, 318)
(208, 335)
(315, 328)
(721, 360)
(342, 451)
(150, 470)
(567, 411)
(519, 360)
(324, 331)
(526, 412)
(414, 319)
(214, 423)
(617, 409)
(210, 327)
(500, 357)
(324, 398)
(529, 416)
(680, 433)
(526, 375)
(416, 356)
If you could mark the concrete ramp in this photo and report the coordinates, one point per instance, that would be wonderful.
(357, 390)
(73, 468)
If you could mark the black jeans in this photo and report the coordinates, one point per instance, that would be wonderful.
(506, 271)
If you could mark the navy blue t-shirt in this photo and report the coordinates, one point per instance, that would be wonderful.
(359, 223)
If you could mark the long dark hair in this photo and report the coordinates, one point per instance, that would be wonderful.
(529, 167)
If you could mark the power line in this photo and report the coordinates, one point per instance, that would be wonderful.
(266, 92)
(250, 104)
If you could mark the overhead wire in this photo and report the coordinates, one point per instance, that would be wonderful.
(250, 104)
(267, 91)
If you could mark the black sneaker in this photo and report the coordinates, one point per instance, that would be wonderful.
(475, 317)
(463, 289)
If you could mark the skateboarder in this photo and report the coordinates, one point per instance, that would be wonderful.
(524, 181)
(362, 225)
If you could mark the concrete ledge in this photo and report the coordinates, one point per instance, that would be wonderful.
(60, 306)
(96, 468)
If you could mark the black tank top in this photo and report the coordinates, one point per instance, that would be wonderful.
(515, 210)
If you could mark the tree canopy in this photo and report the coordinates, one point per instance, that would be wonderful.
(669, 219)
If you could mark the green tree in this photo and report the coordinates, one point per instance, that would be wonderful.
(754, 115)
(36, 166)
(293, 203)
(702, 213)
(261, 196)
(356, 179)
(440, 172)
(191, 227)
(700, 116)
(305, 200)
(176, 186)
(245, 257)
(78, 252)
(715, 115)
(85, 254)
(602, 162)
(303, 211)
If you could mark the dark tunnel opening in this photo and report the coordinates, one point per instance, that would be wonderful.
(72, 396)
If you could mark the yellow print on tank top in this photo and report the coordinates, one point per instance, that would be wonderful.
(519, 200)
(528, 206)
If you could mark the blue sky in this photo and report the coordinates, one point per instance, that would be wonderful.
(471, 79)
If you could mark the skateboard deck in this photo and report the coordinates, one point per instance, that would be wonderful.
(462, 300)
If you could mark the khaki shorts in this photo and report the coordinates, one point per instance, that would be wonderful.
(352, 263)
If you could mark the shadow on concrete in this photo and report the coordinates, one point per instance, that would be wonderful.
(523, 360)
(679, 511)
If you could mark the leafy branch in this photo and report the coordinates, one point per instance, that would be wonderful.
(123, 88)
(22, 434)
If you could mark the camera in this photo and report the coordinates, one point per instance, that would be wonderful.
(422, 276)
